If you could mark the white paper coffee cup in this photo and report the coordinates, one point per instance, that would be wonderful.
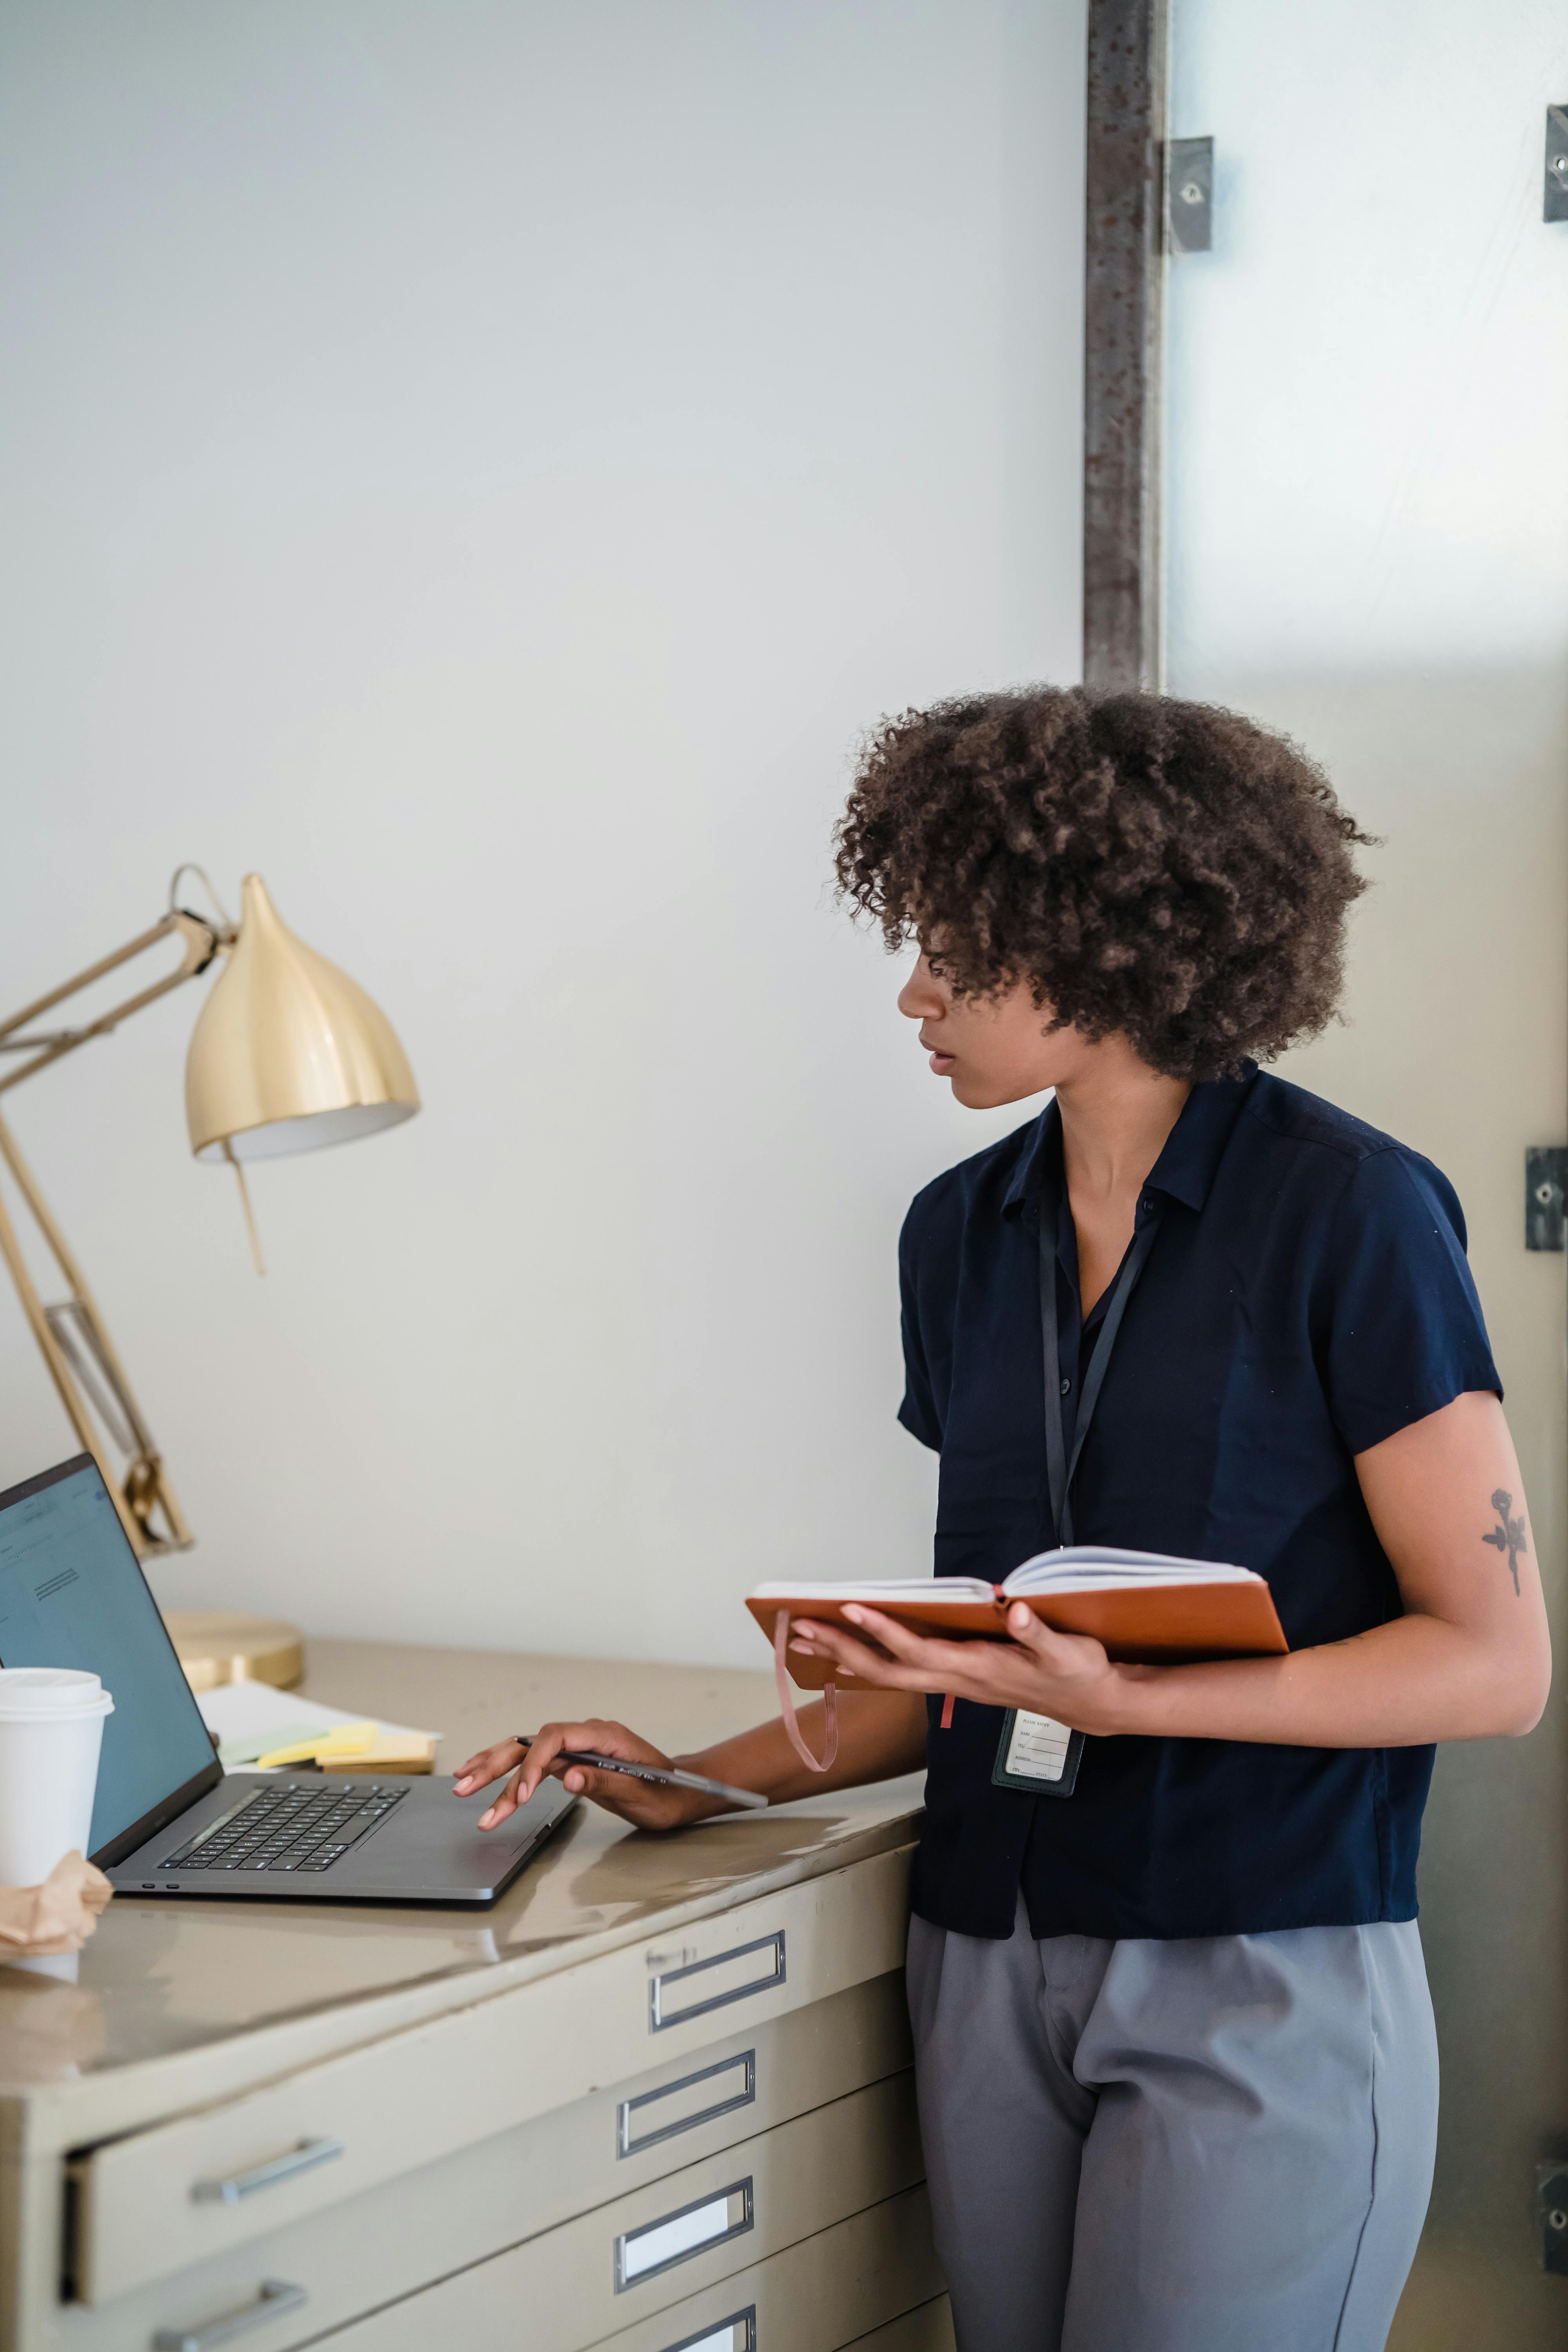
(51, 1729)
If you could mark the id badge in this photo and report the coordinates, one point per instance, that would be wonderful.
(1036, 1754)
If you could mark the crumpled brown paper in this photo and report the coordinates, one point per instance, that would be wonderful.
(58, 1916)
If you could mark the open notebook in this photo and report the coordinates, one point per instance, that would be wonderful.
(1141, 1604)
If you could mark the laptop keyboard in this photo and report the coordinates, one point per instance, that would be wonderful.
(289, 1828)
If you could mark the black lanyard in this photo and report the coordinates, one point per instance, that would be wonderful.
(1052, 1770)
(1058, 1469)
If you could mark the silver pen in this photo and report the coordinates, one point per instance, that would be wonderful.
(671, 1777)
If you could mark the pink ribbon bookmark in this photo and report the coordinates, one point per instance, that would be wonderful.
(786, 1703)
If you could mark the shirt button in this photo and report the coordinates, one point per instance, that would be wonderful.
(1066, 1386)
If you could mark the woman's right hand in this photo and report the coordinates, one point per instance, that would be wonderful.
(646, 1805)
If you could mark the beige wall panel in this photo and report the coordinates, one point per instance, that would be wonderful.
(1368, 534)
(485, 464)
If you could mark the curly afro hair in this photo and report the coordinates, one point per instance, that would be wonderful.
(1158, 868)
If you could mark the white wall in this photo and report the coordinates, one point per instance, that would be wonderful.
(481, 464)
(1368, 532)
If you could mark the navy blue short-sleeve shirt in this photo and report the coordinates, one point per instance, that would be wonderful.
(1305, 1295)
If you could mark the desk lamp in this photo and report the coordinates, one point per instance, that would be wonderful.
(288, 1055)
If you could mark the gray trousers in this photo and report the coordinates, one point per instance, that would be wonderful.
(1221, 2144)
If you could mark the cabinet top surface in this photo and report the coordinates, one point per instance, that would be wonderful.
(161, 1980)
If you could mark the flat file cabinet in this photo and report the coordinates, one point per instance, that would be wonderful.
(659, 2096)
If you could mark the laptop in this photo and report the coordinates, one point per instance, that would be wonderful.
(167, 1819)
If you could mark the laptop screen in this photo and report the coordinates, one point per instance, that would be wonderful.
(72, 1594)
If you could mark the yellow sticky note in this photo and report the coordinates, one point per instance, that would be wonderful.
(343, 1740)
(394, 1751)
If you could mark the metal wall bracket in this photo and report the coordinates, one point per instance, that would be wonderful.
(1552, 2212)
(1556, 205)
(1545, 1172)
(1189, 194)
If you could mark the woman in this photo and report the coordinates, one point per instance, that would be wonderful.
(1174, 2048)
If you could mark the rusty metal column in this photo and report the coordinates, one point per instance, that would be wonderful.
(1123, 306)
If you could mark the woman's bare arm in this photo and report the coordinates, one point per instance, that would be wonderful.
(1469, 1659)
(881, 1734)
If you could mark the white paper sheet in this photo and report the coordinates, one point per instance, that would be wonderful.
(241, 1710)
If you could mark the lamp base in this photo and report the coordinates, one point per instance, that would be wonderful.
(219, 1646)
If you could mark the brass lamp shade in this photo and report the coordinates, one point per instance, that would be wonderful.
(288, 1054)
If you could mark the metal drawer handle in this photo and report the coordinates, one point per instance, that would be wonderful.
(676, 1994)
(303, 2159)
(277, 2297)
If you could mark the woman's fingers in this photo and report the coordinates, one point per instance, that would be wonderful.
(892, 1659)
(544, 1749)
(503, 1805)
(1035, 1668)
(635, 1800)
(897, 1638)
(1063, 1654)
(925, 1662)
(549, 1756)
(1072, 1656)
(488, 1765)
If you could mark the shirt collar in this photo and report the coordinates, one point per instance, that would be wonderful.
(1185, 1167)
(1039, 1162)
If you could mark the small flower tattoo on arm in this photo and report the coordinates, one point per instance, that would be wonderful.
(1510, 1535)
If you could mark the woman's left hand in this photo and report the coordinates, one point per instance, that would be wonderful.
(1064, 1675)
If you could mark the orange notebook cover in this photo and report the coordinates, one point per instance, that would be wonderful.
(1141, 1606)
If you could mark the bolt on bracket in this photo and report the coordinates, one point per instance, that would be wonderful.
(1552, 2213)
(1545, 1172)
(1189, 194)
(1556, 203)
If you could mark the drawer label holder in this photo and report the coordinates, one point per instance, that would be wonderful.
(675, 1995)
(718, 2090)
(695, 2229)
(736, 2333)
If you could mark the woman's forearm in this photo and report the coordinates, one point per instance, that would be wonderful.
(1422, 1677)
(1402, 1685)
(881, 1734)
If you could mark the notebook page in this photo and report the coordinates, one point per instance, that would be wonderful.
(897, 1588)
(1098, 1568)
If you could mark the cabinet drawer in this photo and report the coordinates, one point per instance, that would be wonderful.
(397, 2238)
(159, 2201)
(825, 2292)
(803, 2300)
(753, 2200)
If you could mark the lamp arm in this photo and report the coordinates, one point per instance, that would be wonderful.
(202, 941)
(82, 1362)
(76, 1347)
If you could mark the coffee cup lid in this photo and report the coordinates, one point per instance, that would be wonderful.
(51, 1694)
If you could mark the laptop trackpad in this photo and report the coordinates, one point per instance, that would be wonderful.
(436, 1836)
